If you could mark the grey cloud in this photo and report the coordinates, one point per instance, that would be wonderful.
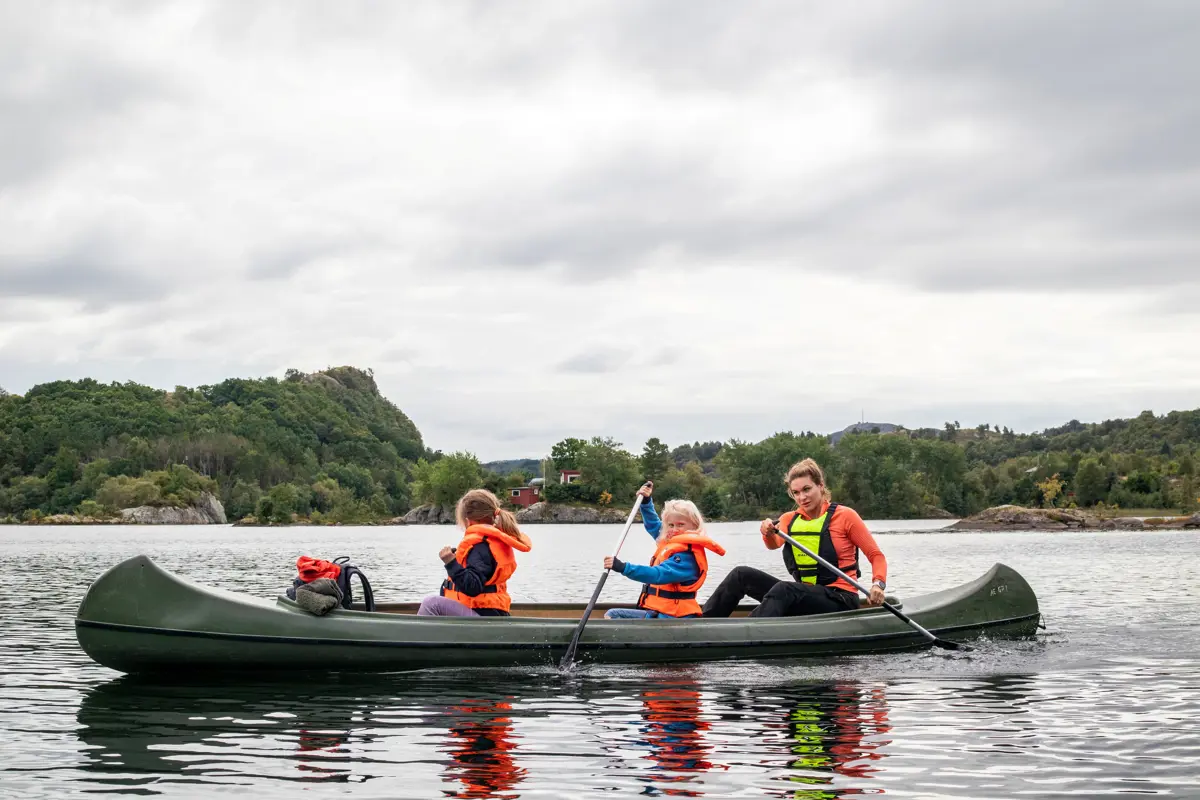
(91, 270)
(288, 255)
(594, 362)
(1096, 106)
(54, 97)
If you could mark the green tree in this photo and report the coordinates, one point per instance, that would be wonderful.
(444, 481)
(123, 491)
(567, 453)
(754, 473)
(1091, 482)
(711, 502)
(656, 460)
(242, 500)
(605, 467)
(281, 502)
(1188, 500)
(694, 481)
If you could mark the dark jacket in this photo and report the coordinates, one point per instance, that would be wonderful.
(471, 579)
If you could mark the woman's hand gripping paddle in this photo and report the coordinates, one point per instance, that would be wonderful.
(933, 640)
(569, 657)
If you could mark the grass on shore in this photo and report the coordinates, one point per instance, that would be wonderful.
(1149, 512)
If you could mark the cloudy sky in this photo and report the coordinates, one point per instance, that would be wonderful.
(682, 219)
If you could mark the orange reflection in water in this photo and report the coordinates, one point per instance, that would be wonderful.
(321, 743)
(675, 731)
(481, 747)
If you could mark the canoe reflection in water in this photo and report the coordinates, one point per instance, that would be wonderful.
(481, 745)
(137, 733)
(679, 732)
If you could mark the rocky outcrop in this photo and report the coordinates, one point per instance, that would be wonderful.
(569, 515)
(932, 512)
(1019, 518)
(429, 515)
(206, 511)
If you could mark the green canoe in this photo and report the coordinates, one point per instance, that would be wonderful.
(140, 618)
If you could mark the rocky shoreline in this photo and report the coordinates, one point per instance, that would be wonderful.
(206, 511)
(209, 511)
(1019, 518)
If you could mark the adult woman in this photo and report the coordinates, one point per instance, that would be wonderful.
(835, 532)
(476, 582)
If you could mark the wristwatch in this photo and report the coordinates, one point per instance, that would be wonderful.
(880, 584)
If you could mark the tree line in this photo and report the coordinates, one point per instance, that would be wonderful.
(328, 448)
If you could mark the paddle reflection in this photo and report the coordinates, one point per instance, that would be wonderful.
(481, 747)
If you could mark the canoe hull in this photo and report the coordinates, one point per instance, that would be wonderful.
(139, 618)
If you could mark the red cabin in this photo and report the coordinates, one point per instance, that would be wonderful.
(525, 496)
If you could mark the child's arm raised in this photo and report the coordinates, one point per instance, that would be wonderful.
(650, 518)
(679, 568)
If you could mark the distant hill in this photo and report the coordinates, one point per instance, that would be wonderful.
(530, 465)
(326, 440)
(863, 427)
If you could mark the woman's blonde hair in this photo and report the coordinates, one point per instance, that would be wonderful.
(807, 469)
(480, 505)
(686, 509)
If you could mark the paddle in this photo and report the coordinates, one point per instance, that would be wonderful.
(569, 656)
(935, 641)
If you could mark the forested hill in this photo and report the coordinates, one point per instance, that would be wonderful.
(327, 447)
(328, 439)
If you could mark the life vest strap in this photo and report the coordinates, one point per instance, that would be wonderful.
(448, 586)
(654, 591)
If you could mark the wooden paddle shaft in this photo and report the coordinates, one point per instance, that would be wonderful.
(569, 656)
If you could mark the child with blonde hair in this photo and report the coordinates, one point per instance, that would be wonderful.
(476, 582)
(679, 565)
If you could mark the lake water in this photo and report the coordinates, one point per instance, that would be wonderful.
(1106, 702)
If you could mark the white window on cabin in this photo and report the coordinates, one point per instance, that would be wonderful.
(516, 492)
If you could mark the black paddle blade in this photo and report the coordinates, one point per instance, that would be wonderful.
(946, 644)
(572, 648)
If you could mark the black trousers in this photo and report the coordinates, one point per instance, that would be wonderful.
(775, 598)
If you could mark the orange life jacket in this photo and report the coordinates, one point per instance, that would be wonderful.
(675, 732)
(677, 599)
(482, 755)
(495, 592)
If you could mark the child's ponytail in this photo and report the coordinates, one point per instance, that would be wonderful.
(507, 522)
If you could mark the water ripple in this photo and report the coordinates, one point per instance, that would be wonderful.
(1102, 705)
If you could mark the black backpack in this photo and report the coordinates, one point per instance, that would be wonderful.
(343, 581)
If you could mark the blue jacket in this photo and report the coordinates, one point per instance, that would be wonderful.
(679, 568)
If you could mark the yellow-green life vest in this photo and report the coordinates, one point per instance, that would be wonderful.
(814, 534)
